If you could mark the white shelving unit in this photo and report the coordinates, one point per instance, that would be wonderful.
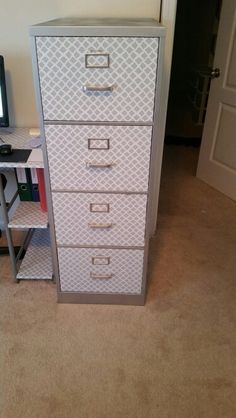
(199, 87)
(37, 261)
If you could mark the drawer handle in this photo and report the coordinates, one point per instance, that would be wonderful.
(94, 225)
(101, 276)
(100, 165)
(99, 89)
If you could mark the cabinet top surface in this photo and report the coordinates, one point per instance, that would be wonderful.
(100, 26)
(77, 21)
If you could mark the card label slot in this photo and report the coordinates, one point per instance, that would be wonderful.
(101, 261)
(98, 143)
(99, 207)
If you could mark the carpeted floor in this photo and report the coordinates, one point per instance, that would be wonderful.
(172, 358)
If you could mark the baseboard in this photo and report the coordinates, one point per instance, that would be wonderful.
(109, 299)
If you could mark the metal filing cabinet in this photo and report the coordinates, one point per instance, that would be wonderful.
(98, 88)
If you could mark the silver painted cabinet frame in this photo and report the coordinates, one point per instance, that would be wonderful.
(152, 29)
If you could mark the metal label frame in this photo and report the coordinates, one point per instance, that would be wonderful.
(97, 54)
(101, 257)
(107, 210)
(105, 148)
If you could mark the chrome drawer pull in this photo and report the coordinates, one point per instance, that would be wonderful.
(100, 226)
(101, 276)
(99, 89)
(100, 165)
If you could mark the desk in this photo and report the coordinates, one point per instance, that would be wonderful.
(20, 138)
(36, 263)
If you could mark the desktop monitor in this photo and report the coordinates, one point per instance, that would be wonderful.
(4, 119)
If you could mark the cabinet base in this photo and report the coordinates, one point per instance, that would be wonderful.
(109, 299)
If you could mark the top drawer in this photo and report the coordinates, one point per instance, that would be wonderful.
(97, 78)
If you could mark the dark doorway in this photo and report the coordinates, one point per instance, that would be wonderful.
(193, 54)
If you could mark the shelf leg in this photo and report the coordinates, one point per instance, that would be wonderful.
(8, 232)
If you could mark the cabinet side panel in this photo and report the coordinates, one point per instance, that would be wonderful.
(157, 145)
(45, 157)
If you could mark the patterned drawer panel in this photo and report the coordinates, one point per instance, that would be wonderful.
(118, 271)
(99, 219)
(128, 65)
(126, 148)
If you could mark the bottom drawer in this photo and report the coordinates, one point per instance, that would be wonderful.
(96, 270)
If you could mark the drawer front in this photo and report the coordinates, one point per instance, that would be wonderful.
(121, 70)
(99, 158)
(99, 219)
(100, 270)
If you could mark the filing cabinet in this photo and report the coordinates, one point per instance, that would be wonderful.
(98, 85)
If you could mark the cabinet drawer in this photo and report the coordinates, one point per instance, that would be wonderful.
(97, 78)
(121, 271)
(99, 158)
(99, 219)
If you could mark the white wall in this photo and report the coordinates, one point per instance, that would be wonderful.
(16, 17)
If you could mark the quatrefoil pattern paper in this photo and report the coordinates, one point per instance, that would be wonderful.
(132, 72)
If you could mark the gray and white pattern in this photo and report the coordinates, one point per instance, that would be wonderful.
(132, 72)
(37, 262)
(129, 151)
(29, 215)
(73, 219)
(125, 269)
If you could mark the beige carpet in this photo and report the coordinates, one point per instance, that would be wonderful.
(173, 358)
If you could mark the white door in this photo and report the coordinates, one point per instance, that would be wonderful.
(217, 161)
